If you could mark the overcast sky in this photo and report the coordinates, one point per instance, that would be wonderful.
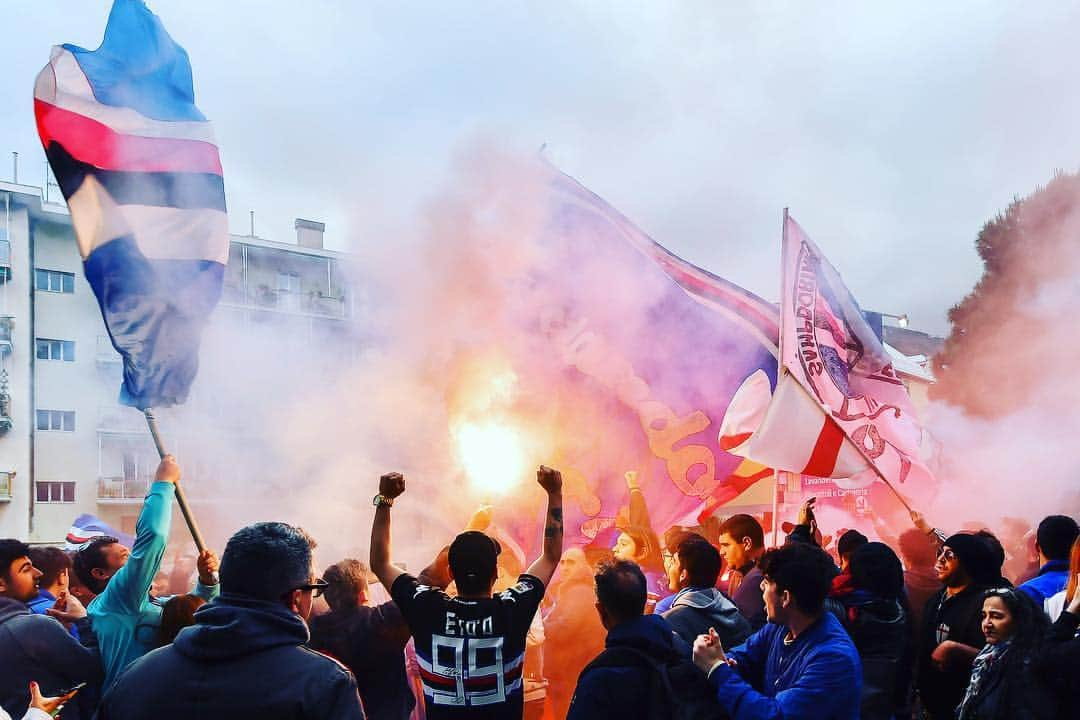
(893, 131)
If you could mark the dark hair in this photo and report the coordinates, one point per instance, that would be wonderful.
(674, 535)
(849, 542)
(474, 558)
(90, 556)
(992, 575)
(700, 560)
(177, 614)
(806, 571)
(10, 551)
(51, 561)
(875, 568)
(1055, 536)
(1030, 623)
(266, 560)
(916, 546)
(621, 589)
(347, 579)
(742, 526)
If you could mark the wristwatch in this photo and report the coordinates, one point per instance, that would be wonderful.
(382, 500)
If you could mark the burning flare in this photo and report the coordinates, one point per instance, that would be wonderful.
(492, 455)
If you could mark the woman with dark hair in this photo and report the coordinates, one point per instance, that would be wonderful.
(873, 609)
(1004, 683)
(177, 613)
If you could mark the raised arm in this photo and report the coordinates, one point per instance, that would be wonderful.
(391, 486)
(544, 566)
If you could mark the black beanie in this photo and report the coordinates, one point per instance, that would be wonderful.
(973, 553)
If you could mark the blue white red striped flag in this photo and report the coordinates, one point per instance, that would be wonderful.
(86, 527)
(137, 163)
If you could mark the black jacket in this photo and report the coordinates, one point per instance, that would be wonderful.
(880, 630)
(243, 659)
(371, 642)
(1013, 691)
(948, 618)
(623, 692)
(37, 647)
(1060, 657)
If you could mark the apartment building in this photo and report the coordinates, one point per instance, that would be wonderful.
(66, 446)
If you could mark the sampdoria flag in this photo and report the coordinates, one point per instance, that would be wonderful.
(705, 336)
(137, 163)
(839, 405)
(87, 527)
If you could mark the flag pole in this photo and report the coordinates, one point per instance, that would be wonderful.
(779, 373)
(181, 498)
(776, 507)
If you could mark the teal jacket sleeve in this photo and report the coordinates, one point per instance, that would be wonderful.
(207, 592)
(131, 583)
(820, 691)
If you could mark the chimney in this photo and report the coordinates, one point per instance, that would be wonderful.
(309, 233)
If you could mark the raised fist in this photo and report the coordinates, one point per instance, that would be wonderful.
(167, 470)
(391, 485)
(549, 479)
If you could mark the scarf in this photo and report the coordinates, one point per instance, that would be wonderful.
(985, 662)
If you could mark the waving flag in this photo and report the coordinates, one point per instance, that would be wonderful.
(673, 367)
(86, 527)
(138, 166)
(839, 405)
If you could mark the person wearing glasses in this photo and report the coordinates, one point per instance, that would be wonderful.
(1004, 683)
(245, 658)
(951, 632)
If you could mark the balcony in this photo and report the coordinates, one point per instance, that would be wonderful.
(7, 479)
(309, 304)
(7, 331)
(121, 490)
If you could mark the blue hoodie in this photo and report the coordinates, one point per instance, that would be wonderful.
(1052, 579)
(243, 659)
(817, 677)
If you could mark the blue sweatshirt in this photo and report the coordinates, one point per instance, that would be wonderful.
(818, 676)
(124, 619)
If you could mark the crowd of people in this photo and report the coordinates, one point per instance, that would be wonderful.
(703, 622)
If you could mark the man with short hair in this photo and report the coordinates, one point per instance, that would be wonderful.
(470, 648)
(573, 632)
(123, 617)
(692, 571)
(1053, 541)
(370, 641)
(742, 543)
(35, 647)
(637, 673)
(802, 664)
(245, 658)
(951, 633)
(55, 567)
(846, 545)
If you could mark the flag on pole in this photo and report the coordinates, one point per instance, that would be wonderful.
(86, 527)
(137, 163)
(839, 405)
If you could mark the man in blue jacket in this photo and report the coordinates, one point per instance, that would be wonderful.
(802, 664)
(122, 616)
(1053, 540)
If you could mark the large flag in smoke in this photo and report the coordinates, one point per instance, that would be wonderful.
(86, 527)
(137, 163)
(675, 365)
(839, 404)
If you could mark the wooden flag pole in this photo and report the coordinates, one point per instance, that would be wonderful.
(181, 498)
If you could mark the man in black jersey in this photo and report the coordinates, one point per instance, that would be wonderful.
(471, 647)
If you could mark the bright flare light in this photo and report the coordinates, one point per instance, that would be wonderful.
(493, 456)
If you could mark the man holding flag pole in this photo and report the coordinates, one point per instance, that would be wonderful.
(140, 171)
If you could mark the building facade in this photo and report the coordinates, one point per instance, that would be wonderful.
(66, 445)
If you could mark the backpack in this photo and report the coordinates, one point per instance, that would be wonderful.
(679, 691)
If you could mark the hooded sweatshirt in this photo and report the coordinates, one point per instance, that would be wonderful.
(622, 692)
(37, 647)
(243, 658)
(695, 610)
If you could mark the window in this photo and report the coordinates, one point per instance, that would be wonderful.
(288, 282)
(56, 420)
(54, 281)
(56, 350)
(55, 491)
